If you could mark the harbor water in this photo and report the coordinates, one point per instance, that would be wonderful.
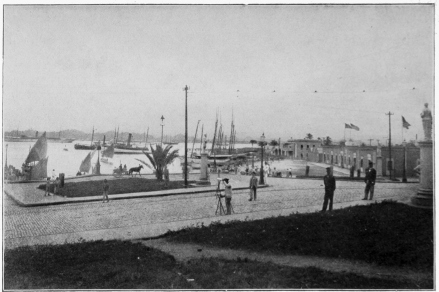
(64, 158)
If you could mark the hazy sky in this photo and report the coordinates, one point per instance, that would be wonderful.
(285, 70)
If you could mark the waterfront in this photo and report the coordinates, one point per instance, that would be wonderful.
(68, 162)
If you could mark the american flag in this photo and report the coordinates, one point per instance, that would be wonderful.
(355, 127)
(405, 124)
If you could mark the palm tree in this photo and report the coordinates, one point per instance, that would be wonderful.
(274, 143)
(253, 142)
(308, 136)
(327, 141)
(159, 158)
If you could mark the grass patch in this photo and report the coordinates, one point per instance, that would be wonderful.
(126, 265)
(386, 233)
(117, 186)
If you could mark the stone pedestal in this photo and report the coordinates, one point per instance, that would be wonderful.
(204, 171)
(379, 166)
(424, 196)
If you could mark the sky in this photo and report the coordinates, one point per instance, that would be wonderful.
(281, 70)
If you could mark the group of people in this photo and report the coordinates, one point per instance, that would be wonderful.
(228, 191)
(55, 181)
(330, 186)
(328, 180)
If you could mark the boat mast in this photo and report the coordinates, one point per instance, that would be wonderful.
(201, 139)
(214, 134)
(147, 132)
(195, 138)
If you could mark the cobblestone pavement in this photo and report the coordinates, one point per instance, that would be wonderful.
(149, 217)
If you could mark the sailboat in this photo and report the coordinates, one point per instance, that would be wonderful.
(108, 153)
(86, 163)
(35, 165)
(86, 147)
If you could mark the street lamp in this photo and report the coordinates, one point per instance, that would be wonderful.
(161, 141)
(262, 143)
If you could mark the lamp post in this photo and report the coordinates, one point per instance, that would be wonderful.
(404, 166)
(261, 180)
(186, 88)
(161, 141)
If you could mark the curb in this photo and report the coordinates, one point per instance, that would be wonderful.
(119, 198)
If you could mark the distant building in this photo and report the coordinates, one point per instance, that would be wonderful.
(348, 156)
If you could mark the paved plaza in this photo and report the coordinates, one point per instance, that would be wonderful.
(152, 216)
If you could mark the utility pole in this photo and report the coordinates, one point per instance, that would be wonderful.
(370, 142)
(390, 145)
(161, 141)
(185, 141)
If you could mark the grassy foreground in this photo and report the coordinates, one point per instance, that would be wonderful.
(117, 186)
(386, 233)
(125, 265)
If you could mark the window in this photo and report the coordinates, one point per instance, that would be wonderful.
(301, 147)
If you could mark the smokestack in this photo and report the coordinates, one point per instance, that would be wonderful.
(129, 139)
(36, 134)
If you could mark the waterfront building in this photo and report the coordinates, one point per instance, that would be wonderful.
(347, 156)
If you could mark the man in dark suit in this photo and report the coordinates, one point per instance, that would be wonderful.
(329, 181)
(369, 179)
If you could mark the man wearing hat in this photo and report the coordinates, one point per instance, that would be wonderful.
(253, 186)
(228, 195)
(369, 179)
(329, 182)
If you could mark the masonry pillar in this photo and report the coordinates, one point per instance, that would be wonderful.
(379, 162)
(424, 196)
(204, 170)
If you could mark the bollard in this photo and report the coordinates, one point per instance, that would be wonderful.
(307, 170)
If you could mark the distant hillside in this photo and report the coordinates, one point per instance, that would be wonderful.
(109, 136)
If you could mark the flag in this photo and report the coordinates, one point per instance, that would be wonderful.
(346, 126)
(405, 124)
(355, 127)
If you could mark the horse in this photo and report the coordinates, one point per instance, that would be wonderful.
(135, 169)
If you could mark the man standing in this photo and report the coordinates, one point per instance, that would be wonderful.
(253, 186)
(329, 181)
(105, 188)
(228, 195)
(369, 179)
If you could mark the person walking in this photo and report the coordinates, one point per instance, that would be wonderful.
(369, 179)
(228, 195)
(47, 192)
(106, 188)
(329, 181)
(253, 186)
